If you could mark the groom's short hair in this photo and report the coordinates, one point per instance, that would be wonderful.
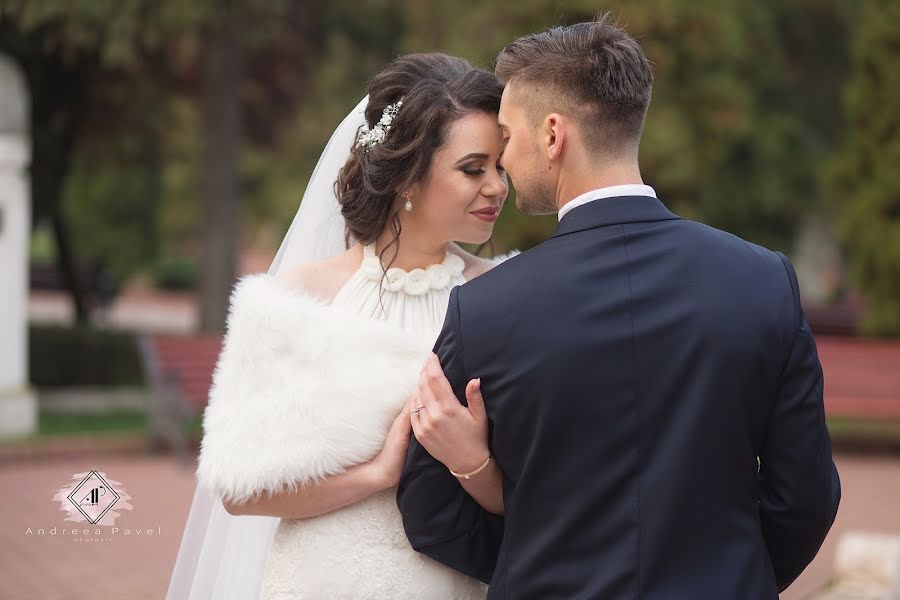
(597, 72)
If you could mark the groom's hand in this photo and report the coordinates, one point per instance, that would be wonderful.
(452, 433)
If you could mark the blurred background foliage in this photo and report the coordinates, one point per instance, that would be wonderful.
(63, 357)
(862, 178)
(763, 114)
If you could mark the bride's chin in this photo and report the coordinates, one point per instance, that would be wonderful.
(479, 238)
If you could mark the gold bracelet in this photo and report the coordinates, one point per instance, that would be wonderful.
(475, 472)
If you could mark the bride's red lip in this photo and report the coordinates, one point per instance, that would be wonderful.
(488, 216)
(492, 212)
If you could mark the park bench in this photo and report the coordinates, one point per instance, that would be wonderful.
(834, 319)
(179, 373)
(862, 380)
(862, 377)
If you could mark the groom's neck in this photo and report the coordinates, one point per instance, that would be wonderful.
(575, 182)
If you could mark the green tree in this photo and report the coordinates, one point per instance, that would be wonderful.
(353, 41)
(742, 115)
(101, 71)
(864, 179)
(729, 139)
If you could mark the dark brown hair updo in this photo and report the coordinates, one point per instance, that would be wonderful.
(437, 90)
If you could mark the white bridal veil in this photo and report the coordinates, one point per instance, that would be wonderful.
(222, 556)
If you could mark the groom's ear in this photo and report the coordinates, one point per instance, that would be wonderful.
(553, 134)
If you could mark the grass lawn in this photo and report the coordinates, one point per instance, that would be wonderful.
(193, 429)
(846, 432)
(863, 432)
(53, 424)
(120, 421)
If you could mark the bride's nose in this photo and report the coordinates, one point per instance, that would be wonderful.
(496, 187)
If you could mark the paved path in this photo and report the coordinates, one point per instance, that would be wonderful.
(49, 567)
(137, 567)
(870, 502)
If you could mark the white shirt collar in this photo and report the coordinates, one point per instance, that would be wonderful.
(631, 189)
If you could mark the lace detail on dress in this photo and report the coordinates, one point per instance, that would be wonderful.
(358, 552)
(416, 282)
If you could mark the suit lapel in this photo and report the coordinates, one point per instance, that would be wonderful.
(613, 211)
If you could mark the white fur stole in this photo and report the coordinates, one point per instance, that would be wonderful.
(301, 390)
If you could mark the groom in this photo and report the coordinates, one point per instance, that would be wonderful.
(653, 388)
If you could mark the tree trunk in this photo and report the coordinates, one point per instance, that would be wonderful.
(54, 125)
(221, 133)
(68, 268)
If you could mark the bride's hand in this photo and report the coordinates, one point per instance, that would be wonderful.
(452, 433)
(390, 461)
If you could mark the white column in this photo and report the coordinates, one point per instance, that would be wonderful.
(18, 407)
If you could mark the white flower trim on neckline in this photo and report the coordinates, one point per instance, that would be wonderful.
(418, 281)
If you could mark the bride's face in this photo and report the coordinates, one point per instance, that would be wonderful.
(465, 189)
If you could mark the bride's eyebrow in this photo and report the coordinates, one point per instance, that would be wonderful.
(473, 155)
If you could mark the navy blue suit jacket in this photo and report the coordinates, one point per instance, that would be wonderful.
(635, 366)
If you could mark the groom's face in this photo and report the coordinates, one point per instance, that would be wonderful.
(522, 158)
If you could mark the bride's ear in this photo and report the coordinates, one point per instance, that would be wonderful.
(409, 192)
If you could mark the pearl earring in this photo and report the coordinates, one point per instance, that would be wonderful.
(408, 205)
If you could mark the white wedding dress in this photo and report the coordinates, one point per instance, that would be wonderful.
(303, 390)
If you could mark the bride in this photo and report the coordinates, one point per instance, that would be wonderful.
(308, 422)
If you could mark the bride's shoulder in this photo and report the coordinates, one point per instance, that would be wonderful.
(476, 265)
(323, 279)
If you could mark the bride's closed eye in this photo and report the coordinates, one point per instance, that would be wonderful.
(476, 171)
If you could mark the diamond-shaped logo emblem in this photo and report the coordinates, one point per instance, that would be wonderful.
(93, 497)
